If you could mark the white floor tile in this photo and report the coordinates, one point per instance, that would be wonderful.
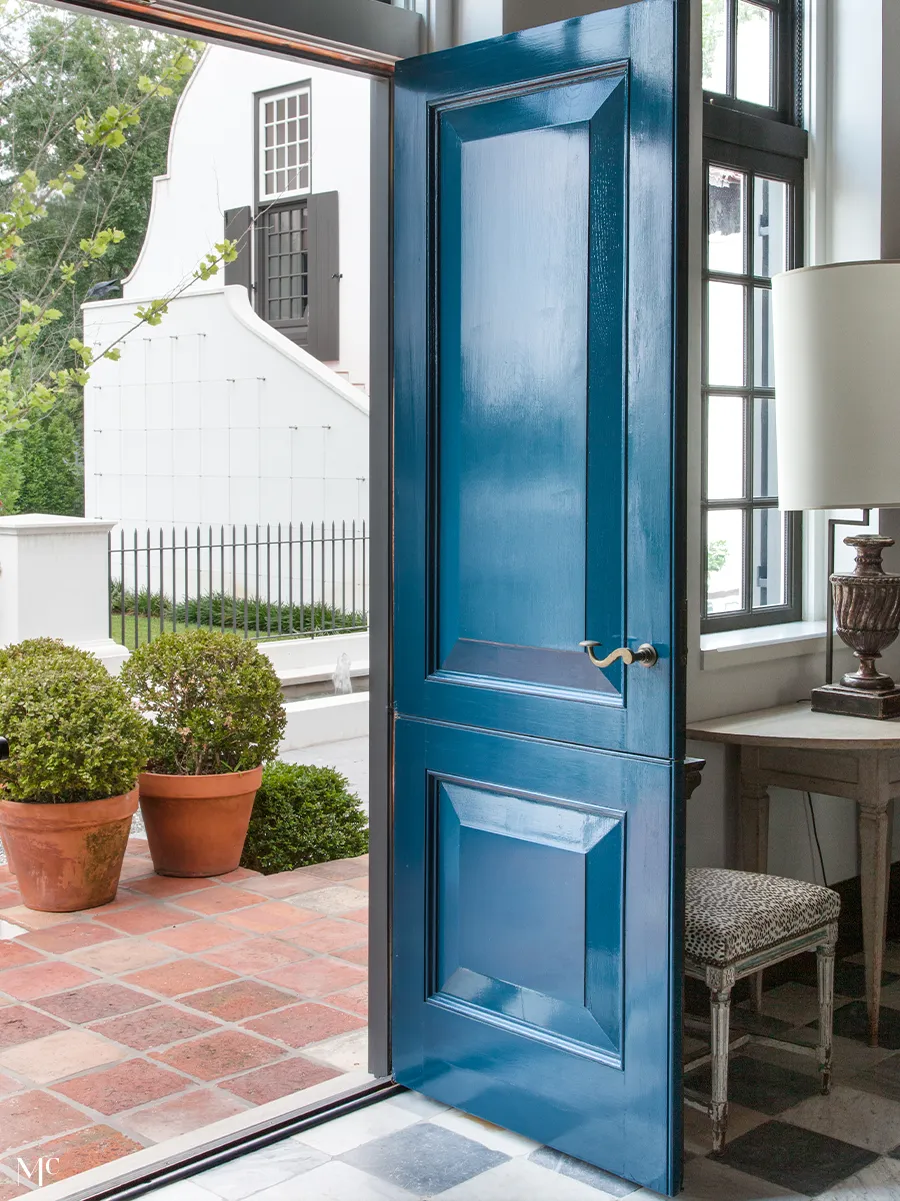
(485, 1133)
(250, 1174)
(336, 1182)
(343, 1134)
(416, 1103)
(880, 1181)
(184, 1190)
(864, 1119)
(708, 1181)
(521, 1180)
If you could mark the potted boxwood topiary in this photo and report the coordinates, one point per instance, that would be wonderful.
(76, 745)
(218, 715)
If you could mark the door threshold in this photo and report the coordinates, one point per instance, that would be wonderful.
(187, 1155)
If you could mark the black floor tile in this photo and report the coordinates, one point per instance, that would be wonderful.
(612, 1186)
(851, 1021)
(794, 1158)
(883, 1079)
(424, 1158)
(755, 1084)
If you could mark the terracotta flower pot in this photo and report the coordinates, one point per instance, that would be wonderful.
(68, 857)
(196, 825)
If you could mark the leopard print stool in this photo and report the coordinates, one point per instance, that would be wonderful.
(736, 924)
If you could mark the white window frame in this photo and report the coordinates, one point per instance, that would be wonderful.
(295, 91)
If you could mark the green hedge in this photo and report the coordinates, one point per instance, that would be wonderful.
(303, 815)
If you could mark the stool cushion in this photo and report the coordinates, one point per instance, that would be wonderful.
(729, 915)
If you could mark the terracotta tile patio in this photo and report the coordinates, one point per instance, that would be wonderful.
(183, 1002)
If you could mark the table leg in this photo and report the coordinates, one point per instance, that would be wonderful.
(754, 832)
(874, 866)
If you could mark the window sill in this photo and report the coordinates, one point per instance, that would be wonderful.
(764, 644)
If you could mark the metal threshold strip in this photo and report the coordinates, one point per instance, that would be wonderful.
(252, 1137)
(380, 33)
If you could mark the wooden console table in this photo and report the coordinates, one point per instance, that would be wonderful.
(851, 757)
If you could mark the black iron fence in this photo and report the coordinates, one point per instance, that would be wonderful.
(264, 582)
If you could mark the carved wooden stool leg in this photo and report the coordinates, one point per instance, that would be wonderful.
(825, 972)
(720, 982)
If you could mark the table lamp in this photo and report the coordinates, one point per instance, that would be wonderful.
(836, 332)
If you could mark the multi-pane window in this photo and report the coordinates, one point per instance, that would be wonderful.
(284, 144)
(286, 265)
(753, 164)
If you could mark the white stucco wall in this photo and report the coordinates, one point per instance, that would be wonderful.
(214, 417)
(211, 168)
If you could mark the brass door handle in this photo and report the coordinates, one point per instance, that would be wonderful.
(645, 654)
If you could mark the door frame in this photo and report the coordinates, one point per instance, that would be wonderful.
(367, 38)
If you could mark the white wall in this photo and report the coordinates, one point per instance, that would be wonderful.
(214, 417)
(853, 151)
(211, 168)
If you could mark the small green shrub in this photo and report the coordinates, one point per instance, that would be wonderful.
(215, 700)
(74, 734)
(303, 815)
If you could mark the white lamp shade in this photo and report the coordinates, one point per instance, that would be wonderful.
(837, 369)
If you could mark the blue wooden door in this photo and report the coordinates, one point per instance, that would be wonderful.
(537, 506)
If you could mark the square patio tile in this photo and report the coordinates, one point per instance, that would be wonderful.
(122, 955)
(70, 936)
(180, 977)
(124, 1086)
(335, 900)
(29, 1116)
(316, 977)
(241, 999)
(356, 999)
(795, 1158)
(155, 1027)
(168, 886)
(224, 1053)
(279, 1079)
(358, 955)
(348, 1052)
(358, 915)
(181, 1114)
(343, 869)
(300, 1025)
(9, 1085)
(220, 898)
(94, 1001)
(197, 936)
(87, 1148)
(864, 1119)
(16, 954)
(143, 918)
(329, 934)
(42, 980)
(239, 873)
(267, 917)
(31, 919)
(252, 956)
(424, 1158)
(286, 884)
(19, 1024)
(56, 1056)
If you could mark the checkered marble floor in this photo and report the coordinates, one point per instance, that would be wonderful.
(785, 1140)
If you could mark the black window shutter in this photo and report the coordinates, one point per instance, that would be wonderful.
(238, 224)
(324, 277)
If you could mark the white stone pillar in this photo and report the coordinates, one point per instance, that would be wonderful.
(54, 583)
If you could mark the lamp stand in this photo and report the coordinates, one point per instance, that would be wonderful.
(867, 606)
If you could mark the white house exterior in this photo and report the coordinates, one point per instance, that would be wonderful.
(248, 403)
